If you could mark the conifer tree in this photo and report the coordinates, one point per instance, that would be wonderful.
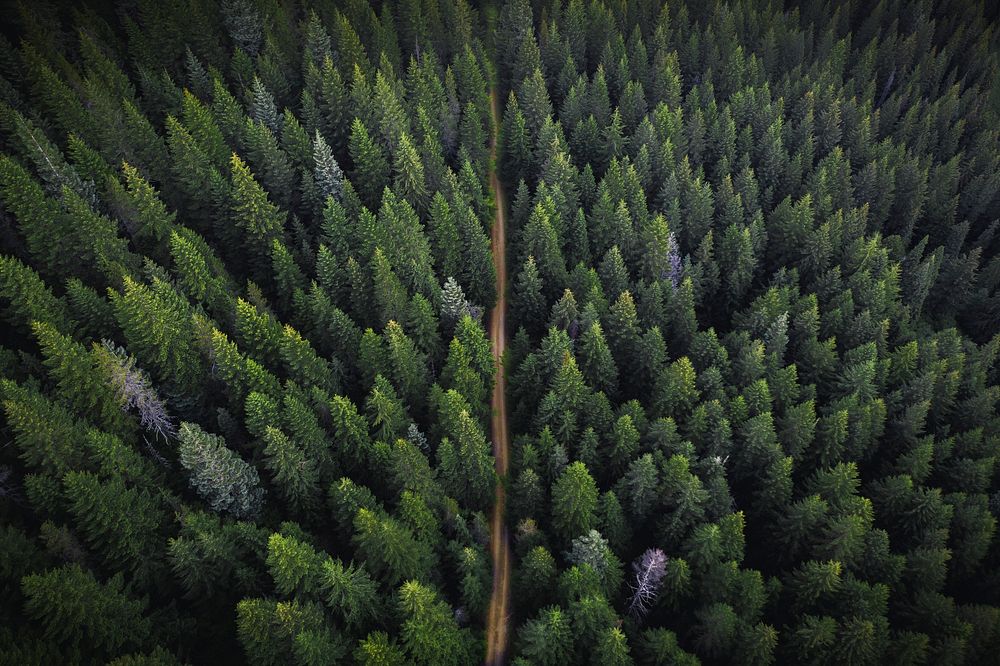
(548, 638)
(454, 305)
(120, 522)
(273, 168)
(218, 474)
(260, 221)
(262, 107)
(574, 500)
(327, 175)
(371, 167)
(430, 634)
(154, 319)
(409, 179)
(385, 411)
(294, 473)
(391, 549)
(78, 611)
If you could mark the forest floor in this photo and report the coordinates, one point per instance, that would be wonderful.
(496, 627)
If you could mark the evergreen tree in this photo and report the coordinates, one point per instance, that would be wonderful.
(528, 302)
(391, 549)
(120, 522)
(430, 634)
(260, 221)
(409, 179)
(371, 167)
(574, 500)
(327, 175)
(85, 615)
(294, 473)
(262, 107)
(464, 456)
(219, 475)
(548, 638)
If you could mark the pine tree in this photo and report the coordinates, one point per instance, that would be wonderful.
(371, 167)
(79, 380)
(391, 549)
(294, 565)
(199, 122)
(541, 241)
(377, 649)
(459, 374)
(390, 294)
(270, 630)
(574, 500)
(464, 457)
(304, 365)
(154, 319)
(528, 302)
(327, 175)
(430, 634)
(46, 433)
(536, 102)
(120, 522)
(515, 159)
(260, 221)
(271, 164)
(148, 219)
(262, 107)
(409, 180)
(38, 218)
(351, 431)
(29, 298)
(218, 474)
(478, 271)
(295, 474)
(454, 306)
(444, 236)
(78, 611)
(350, 592)
(385, 411)
(613, 649)
(547, 638)
(408, 365)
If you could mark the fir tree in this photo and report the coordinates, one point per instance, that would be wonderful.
(218, 474)
(326, 172)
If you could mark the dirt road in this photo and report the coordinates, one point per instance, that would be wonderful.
(496, 625)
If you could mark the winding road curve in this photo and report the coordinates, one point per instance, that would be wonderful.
(496, 626)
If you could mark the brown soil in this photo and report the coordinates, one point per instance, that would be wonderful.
(496, 626)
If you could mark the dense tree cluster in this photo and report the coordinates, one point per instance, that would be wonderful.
(244, 259)
(754, 319)
(755, 297)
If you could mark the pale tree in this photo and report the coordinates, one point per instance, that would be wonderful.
(649, 571)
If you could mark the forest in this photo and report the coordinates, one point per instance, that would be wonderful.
(538, 332)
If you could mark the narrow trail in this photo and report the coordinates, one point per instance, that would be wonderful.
(496, 625)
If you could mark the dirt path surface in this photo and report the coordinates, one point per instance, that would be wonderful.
(496, 625)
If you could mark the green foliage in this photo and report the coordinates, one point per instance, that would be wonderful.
(259, 220)
(574, 501)
(390, 548)
(218, 474)
(430, 634)
(750, 345)
(84, 615)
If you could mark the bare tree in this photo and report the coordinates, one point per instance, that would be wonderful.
(649, 572)
(136, 391)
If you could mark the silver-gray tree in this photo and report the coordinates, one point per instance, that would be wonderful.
(649, 571)
(327, 174)
(218, 474)
(135, 390)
